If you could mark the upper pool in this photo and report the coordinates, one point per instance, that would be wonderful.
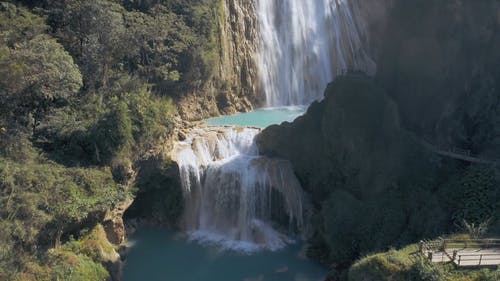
(260, 118)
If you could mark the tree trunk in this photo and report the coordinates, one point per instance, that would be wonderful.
(59, 234)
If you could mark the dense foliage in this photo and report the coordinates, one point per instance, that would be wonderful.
(86, 89)
(42, 202)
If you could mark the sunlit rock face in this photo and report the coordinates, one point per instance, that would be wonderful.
(238, 38)
(235, 197)
(235, 85)
(303, 45)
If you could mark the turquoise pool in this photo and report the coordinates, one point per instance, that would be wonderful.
(159, 255)
(260, 118)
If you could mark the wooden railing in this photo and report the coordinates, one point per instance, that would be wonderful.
(458, 251)
(470, 243)
(443, 244)
(477, 259)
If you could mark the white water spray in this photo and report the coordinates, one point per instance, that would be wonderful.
(305, 44)
(233, 196)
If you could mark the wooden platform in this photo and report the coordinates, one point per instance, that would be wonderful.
(463, 253)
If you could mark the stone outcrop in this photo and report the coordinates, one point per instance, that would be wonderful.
(354, 127)
(113, 222)
(361, 169)
(238, 32)
(235, 86)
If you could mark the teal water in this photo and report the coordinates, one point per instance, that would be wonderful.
(260, 118)
(159, 255)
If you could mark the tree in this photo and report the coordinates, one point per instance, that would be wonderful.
(36, 73)
(95, 34)
(158, 42)
(34, 76)
(18, 25)
(112, 134)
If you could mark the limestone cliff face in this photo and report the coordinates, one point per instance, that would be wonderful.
(235, 85)
(239, 43)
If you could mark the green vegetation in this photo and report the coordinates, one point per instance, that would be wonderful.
(407, 265)
(42, 203)
(77, 260)
(36, 72)
(87, 89)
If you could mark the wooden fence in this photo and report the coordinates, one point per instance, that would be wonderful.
(477, 259)
(463, 252)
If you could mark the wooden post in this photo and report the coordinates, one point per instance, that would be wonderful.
(480, 259)
(454, 255)
(459, 258)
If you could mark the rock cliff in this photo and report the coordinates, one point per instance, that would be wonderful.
(361, 168)
(235, 86)
(439, 61)
(357, 151)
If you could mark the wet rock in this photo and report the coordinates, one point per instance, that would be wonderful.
(181, 135)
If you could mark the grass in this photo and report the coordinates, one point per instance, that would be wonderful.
(407, 264)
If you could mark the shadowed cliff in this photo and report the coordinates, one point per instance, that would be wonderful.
(373, 185)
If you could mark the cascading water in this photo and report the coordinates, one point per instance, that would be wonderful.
(304, 45)
(234, 196)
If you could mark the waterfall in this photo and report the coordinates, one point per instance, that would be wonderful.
(235, 197)
(305, 44)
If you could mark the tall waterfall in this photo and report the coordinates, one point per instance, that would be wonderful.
(304, 44)
(234, 196)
